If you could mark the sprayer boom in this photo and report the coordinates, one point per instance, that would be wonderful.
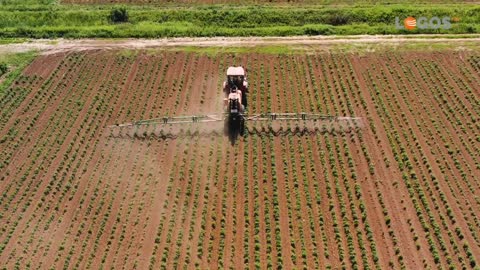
(222, 117)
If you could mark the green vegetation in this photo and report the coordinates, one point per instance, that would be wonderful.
(3, 68)
(80, 21)
(119, 15)
(12, 40)
(13, 64)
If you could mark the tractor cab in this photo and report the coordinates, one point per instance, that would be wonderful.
(236, 82)
(236, 77)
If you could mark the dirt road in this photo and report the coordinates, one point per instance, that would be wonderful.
(59, 45)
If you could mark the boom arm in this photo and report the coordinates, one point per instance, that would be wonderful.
(221, 117)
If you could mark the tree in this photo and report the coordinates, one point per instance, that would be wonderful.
(119, 15)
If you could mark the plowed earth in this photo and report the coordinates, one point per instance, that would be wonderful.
(401, 191)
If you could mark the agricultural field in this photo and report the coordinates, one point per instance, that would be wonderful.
(401, 192)
(261, 2)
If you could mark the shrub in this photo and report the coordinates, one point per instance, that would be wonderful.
(119, 15)
(3, 68)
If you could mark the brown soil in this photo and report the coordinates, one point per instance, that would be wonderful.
(75, 197)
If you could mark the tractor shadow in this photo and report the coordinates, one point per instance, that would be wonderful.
(234, 130)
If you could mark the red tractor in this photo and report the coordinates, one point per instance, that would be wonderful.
(236, 86)
(234, 115)
(235, 89)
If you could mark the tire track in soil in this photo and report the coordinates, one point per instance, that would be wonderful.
(165, 157)
(160, 62)
(131, 191)
(399, 221)
(403, 141)
(298, 87)
(441, 133)
(254, 85)
(132, 233)
(440, 79)
(56, 235)
(124, 93)
(152, 85)
(73, 200)
(186, 89)
(169, 107)
(270, 193)
(119, 110)
(371, 202)
(321, 81)
(445, 189)
(422, 141)
(196, 178)
(331, 82)
(177, 91)
(288, 107)
(467, 107)
(94, 182)
(302, 104)
(9, 100)
(448, 68)
(178, 163)
(443, 119)
(40, 125)
(136, 112)
(191, 104)
(230, 229)
(202, 203)
(391, 201)
(102, 139)
(53, 163)
(213, 94)
(304, 212)
(85, 185)
(292, 190)
(60, 226)
(223, 170)
(340, 101)
(202, 259)
(100, 162)
(261, 175)
(471, 71)
(251, 259)
(216, 170)
(405, 110)
(180, 186)
(293, 97)
(237, 259)
(44, 65)
(155, 106)
(319, 146)
(121, 184)
(318, 212)
(282, 186)
(261, 209)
